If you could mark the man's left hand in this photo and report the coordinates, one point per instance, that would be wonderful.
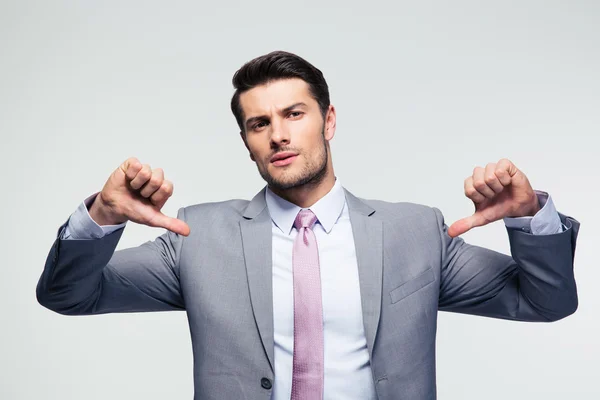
(499, 190)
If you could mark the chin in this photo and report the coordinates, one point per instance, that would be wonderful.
(284, 182)
(283, 174)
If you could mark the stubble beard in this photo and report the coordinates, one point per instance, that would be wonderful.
(311, 173)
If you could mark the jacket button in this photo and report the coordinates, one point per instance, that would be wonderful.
(266, 383)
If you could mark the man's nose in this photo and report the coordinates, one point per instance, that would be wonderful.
(279, 133)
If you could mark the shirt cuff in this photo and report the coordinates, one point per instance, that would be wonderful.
(545, 222)
(81, 225)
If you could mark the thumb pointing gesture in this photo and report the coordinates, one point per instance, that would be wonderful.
(499, 190)
(135, 192)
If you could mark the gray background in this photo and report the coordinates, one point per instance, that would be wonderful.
(424, 92)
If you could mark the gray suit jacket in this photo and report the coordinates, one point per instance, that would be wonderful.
(221, 275)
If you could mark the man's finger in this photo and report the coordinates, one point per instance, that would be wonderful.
(503, 175)
(160, 197)
(142, 177)
(480, 185)
(154, 183)
(472, 193)
(491, 179)
(506, 166)
(131, 167)
(466, 224)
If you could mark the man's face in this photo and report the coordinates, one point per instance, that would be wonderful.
(286, 134)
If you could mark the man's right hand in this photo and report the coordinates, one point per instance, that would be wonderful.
(134, 192)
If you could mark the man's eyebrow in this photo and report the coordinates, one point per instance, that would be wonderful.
(290, 108)
(251, 120)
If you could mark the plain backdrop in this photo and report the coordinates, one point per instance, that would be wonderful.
(424, 91)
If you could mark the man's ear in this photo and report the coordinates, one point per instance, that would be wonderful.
(246, 144)
(330, 123)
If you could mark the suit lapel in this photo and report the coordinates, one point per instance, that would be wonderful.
(256, 231)
(368, 241)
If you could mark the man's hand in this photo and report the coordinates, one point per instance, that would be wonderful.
(499, 190)
(134, 192)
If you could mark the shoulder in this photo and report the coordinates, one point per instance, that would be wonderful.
(214, 211)
(401, 209)
(405, 213)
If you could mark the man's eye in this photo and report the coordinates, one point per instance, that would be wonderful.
(259, 125)
(295, 114)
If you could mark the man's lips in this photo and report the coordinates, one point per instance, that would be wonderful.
(283, 158)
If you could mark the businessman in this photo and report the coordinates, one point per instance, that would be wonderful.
(307, 291)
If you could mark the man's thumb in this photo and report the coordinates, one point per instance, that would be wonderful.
(172, 224)
(466, 224)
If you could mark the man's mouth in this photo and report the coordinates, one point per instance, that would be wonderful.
(283, 158)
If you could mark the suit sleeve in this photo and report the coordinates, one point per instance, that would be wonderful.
(83, 277)
(536, 283)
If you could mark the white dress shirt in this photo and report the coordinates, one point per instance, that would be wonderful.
(346, 358)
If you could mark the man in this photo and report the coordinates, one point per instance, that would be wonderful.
(306, 291)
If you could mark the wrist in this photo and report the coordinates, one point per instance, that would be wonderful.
(102, 213)
(534, 207)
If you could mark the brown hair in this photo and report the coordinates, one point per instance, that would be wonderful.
(274, 66)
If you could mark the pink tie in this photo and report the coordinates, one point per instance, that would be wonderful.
(307, 373)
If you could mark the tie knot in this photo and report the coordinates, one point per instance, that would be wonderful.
(305, 219)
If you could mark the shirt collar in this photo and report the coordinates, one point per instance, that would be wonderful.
(328, 209)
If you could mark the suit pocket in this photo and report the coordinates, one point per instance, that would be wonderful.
(409, 287)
